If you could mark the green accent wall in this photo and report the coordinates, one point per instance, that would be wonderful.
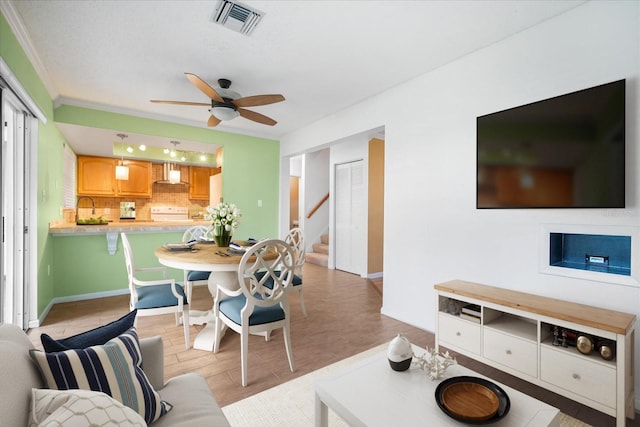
(84, 266)
(81, 265)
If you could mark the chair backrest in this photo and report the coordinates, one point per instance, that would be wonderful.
(195, 232)
(295, 239)
(275, 258)
(128, 260)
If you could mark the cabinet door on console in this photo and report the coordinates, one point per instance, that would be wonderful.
(458, 334)
(511, 352)
(593, 379)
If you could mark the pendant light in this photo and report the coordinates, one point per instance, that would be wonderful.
(122, 171)
(174, 174)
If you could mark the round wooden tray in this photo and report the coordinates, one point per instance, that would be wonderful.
(472, 400)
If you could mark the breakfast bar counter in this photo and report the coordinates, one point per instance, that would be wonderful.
(137, 226)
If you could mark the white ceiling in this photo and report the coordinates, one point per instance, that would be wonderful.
(323, 56)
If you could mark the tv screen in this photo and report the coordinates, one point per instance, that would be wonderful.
(563, 152)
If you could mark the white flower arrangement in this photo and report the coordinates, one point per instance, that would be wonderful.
(434, 363)
(225, 217)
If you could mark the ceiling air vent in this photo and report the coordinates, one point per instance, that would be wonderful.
(237, 16)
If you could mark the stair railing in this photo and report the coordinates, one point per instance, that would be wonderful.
(317, 206)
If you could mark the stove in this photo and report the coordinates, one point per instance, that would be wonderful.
(170, 213)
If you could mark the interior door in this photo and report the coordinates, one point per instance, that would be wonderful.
(14, 183)
(350, 217)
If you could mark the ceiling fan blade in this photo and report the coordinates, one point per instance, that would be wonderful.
(256, 117)
(199, 104)
(213, 121)
(254, 101)
(204, 86)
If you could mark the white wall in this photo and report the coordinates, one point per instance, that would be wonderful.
(430, 162)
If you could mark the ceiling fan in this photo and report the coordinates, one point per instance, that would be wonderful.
(227, 104)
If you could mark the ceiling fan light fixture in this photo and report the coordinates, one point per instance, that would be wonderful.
(223, 112)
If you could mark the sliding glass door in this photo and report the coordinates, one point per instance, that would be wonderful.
(14, 183)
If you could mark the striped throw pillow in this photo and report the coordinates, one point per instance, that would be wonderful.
(114, 368)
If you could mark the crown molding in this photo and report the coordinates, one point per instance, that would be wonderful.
(21, 33)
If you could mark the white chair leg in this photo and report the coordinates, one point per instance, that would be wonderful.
(244, 349)
(185, 322)
(304, 309)
(287, 344)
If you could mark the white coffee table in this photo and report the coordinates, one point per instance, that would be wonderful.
(371, 394)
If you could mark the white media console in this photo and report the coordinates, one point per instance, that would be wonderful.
(514, 333)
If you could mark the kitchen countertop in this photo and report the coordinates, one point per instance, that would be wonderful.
(136, 226)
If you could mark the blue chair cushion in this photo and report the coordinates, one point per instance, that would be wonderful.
(297, 280)
(159, 296)
(97, 336)
(194, 276)
(232, 306)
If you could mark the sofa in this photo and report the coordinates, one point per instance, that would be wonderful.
(191, 400)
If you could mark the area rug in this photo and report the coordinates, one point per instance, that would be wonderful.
(292, 404)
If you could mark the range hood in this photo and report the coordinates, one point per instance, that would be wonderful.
(166, 169)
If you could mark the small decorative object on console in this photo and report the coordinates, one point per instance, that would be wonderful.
(434, 363)
(400, 353)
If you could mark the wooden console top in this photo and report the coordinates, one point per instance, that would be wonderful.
(599, 318)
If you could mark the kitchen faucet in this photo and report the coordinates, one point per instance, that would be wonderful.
(93, 205)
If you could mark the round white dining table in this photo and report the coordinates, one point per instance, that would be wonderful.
(224, 269)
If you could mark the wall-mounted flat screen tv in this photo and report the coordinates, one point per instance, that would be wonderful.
(563, 152)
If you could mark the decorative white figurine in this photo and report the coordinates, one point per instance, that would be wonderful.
(400, 353)
(434, 363)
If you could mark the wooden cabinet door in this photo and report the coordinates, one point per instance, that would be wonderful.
(96, 176)
(139, 183)
(199, 181)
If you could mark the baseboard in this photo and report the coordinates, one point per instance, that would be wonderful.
(94, 295)
(36, 323)
(378, 275)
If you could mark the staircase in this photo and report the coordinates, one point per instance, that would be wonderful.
(320, 254)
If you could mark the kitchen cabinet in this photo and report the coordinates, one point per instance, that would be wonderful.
(199, 181)
(96, 177)
(513, 331)
(139, 183)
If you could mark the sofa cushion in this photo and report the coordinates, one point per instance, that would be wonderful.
(97, 336)
(114, 368)
(18, 375)
(194, 404)
(79, 408)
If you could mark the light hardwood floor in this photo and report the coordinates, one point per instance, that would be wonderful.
(343, 319)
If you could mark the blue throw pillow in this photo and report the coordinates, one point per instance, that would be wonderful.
(97, 336)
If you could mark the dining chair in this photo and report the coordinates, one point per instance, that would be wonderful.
(195, 278)
(256, 308)
(295, 239)
(155, 297)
